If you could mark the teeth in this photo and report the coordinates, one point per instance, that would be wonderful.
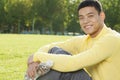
(87, 27)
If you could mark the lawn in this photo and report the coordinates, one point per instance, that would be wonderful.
(15, 49)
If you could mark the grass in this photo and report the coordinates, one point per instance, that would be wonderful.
(15, 49)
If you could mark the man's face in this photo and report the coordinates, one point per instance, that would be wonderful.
(91, 22)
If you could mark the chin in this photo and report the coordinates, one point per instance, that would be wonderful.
(88, 33)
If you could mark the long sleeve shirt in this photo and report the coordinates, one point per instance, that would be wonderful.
(100, 56)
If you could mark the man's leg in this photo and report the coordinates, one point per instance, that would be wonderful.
(56, 75)
(76, 75)
(52, 74)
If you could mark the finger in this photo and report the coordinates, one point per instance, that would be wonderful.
(31, 71)
(32, 78)
(32, 74)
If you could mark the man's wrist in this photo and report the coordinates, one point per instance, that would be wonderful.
(30, 63)
(30, 60)
(33, 63)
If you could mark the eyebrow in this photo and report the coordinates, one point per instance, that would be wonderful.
(87, 14)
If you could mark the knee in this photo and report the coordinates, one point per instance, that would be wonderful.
(58, 50)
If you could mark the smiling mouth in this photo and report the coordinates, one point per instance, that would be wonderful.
(88, 26)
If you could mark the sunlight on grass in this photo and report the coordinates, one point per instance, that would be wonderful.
(15, 49)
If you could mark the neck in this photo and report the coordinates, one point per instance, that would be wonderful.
(97, 32)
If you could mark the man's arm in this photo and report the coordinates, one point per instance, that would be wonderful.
(30, 60)
(32, 66)
(74, 41)
(101, 50)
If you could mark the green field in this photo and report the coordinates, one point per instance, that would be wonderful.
(15, 49)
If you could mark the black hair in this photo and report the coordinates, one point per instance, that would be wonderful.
(92, 3)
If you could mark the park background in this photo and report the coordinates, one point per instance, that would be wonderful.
(57, 17)
(26, 25)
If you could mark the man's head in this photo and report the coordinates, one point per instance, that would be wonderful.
(91, 17)
(91, 3)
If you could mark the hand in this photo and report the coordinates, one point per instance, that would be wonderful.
(32, 67)
(30, 60)
(31, 71)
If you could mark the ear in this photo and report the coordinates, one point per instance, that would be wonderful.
(102, 15)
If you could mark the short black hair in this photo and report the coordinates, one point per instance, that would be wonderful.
(92, 3)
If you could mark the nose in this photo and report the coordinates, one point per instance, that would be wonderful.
(85, 20)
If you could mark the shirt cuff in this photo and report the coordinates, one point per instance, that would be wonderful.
(35, 57)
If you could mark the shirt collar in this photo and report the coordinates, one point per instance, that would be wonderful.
(102, 32)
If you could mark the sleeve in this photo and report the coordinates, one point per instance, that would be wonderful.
(102, 49)
(69, 45)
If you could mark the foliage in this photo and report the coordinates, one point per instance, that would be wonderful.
(2, 11)
(55, 16)
(112, 10)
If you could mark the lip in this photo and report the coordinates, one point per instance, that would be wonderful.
(88, 26)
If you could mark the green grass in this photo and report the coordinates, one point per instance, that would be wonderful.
(15, 49)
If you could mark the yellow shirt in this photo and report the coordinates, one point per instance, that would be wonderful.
(100, 56)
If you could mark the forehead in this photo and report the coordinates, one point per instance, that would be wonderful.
(87, 10)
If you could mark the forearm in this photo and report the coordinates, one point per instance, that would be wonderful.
(30, 60)
(71, 45)
(90, 57)
(66, 63)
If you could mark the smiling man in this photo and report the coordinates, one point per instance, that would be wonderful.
(91, 21)
(97, 52)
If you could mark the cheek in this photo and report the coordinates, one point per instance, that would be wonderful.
(81, 26)
(94, 20)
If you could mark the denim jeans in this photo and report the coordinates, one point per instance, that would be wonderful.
(56, 75)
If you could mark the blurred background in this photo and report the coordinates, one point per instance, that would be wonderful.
(58, 17)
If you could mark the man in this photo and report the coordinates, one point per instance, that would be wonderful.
(43, 71)
(97, 51)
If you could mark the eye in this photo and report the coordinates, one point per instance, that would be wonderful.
(91, 15)
(81, 18)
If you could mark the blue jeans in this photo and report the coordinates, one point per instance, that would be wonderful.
(56, 75)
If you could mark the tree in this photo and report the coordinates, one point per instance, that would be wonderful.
(112, 10)
(48, 11)
(53, 15)
(73, 23)
(2, 16)
(16, 13)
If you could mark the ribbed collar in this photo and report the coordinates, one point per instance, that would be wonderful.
(104, 30)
